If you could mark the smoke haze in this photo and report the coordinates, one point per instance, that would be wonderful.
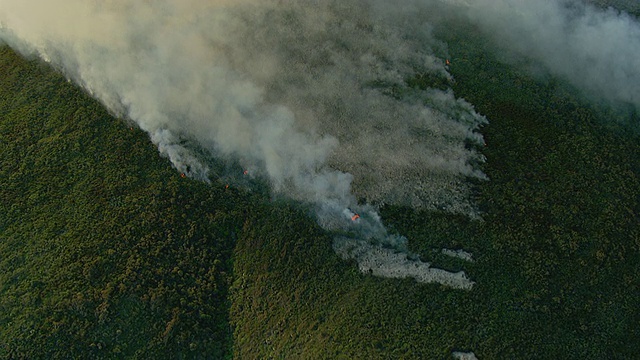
(595, 48)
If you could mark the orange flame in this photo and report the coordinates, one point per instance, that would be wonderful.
(183, 175)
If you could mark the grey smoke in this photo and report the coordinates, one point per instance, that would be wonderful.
(310, 95)
(297, 91)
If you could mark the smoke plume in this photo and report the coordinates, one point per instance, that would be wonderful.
(320, 98)
(313, 96)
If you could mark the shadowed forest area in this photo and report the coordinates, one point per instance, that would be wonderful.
(107, 252)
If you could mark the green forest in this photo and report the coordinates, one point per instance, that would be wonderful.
(108, 253)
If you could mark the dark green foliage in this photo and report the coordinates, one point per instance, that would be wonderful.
(294, 298)
(106, 251)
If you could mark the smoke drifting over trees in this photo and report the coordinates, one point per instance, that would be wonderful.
(595, 48)
(298, 91)
(315, 96)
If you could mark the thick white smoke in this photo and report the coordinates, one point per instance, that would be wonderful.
(314, 96)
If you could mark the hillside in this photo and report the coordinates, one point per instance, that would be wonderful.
(109, 253)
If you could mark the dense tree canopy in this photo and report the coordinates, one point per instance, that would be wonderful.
(106, 250)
